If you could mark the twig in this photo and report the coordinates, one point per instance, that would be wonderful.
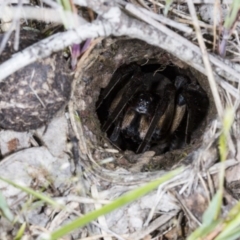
(167, 21)
(52, 44)
(44, 14)
(14, 1)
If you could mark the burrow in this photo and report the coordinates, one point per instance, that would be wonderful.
(96, 72)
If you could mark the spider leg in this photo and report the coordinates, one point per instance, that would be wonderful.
(117, 129)
(129, 90)
(162, 118)
(120, 76)
(143, 126)
(189, 128)
(197, 106)
(130, 123)
(125, 122)
(180, 109)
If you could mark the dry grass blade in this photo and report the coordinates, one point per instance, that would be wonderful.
(206, 61)
(167, 21)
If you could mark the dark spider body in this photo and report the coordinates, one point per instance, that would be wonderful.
(147, 109)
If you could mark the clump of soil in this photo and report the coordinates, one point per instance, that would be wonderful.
(32, 96)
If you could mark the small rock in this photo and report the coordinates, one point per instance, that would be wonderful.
(30, 97)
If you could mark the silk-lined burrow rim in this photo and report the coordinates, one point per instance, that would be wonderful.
(97, 72)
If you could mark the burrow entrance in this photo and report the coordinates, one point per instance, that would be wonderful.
(160, 113)
(97, 72)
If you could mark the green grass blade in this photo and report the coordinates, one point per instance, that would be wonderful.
(233, 235)
(5, 209)
(66, 5)
(203, 231)
(20, 232)
(68, 21)
(167, 6)
(213, 210)
(232, 222)
(38, 195)
(119, 202)
(227, 122)
(232, 16)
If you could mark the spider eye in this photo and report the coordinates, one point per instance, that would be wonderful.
(180, 100)
(180, 82)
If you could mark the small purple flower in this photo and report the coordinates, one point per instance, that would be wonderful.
(77, 50)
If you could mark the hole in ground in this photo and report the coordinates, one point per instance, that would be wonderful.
(151, 107)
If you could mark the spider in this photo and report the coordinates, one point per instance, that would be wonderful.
(146, 109)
